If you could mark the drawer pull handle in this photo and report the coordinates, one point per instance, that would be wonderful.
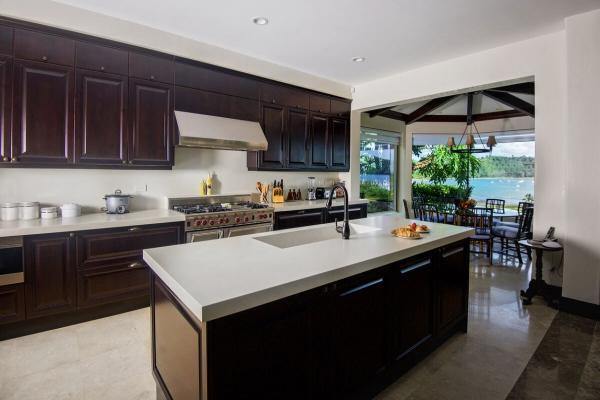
(362, 287)
(136, 264)
(453, 252)
(416, 266)
(134, 228)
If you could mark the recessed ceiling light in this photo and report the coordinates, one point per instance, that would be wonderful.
(260, 20)
(359, 59)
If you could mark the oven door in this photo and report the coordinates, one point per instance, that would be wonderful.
(248, 230)
(201, 236)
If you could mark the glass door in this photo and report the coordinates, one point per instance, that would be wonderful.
(378, 169)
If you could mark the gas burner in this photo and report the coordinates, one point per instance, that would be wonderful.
(251, 205)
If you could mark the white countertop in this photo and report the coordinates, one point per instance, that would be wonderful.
(88, 221)
(221, 277)
(306, 204)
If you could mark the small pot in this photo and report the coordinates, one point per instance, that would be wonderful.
(117, 203)
(70, 210)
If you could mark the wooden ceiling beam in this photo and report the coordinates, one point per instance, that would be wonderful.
(511, 101)
(379, 111)
(498, 115)
(427, 108)
(523, 88)
(394, 115)
(444, 118)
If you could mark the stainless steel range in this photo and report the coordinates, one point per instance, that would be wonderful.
(218, 217)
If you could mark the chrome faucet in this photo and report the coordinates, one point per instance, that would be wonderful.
(344, 229)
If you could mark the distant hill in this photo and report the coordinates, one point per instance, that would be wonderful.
(497, 166)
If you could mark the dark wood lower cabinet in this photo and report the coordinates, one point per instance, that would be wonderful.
(50, 274)
(348, 339)
(77, 276)
(12, 303)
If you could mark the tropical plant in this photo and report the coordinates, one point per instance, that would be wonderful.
(442, 164)
(528, 197)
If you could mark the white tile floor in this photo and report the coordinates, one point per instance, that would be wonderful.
(109, 358)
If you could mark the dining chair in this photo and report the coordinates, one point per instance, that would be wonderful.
(520, 208)
(510, 234)
(406, 213)
(481, 219)
(496, 204)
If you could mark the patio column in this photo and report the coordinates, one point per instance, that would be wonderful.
(405, 170)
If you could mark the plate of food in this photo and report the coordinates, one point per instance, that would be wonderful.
(419, 228)
(406, 233)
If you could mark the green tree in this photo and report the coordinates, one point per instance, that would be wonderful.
(442, 164)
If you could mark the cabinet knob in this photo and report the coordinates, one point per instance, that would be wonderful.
(71, 234)
(44, 58)
(5, 158)
(102, 68)
(130, 162)
(124, 162)
(151, 77)
(134, 228)
(273, 101)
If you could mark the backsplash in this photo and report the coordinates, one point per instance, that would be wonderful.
(150, 187)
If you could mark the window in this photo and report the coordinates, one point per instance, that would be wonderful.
(378, 169)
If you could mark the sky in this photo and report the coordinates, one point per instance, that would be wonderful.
(514, 149)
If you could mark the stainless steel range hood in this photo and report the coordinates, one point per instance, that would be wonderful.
(210, 132)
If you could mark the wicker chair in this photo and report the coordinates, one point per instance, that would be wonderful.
(510, 234)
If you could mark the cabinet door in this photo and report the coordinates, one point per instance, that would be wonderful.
(43, 113)
(112, 284)
(151, 117)
(273, 124)
(340, 141)
(359, 331)
(12, 303)
(6, 40)
(101, 126)
(318, 141)
(151, 67)
(38, 46)
(297, 139)
(5, 105)
(49, 274)
(411, 306)
(452, 285)
(296, 219)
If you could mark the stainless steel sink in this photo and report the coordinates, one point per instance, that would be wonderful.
(285, 240)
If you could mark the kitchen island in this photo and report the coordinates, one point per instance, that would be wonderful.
(301, 313)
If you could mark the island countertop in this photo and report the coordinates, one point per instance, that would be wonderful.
(217, 278)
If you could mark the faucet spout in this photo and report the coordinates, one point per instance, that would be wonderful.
(345, 228)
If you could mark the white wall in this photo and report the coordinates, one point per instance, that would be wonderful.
(86, 187)
(542, 58)
(582, 257)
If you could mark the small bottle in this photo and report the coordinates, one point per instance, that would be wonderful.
(209, 185)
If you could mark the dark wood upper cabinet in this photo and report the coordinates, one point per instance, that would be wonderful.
(36, 46)
(49, 274)
(320, 104)
(150, 67)
(284, 95)
(340, 151)
(319, 141)
(101, 58)
(220, 105)
(273, 124)
(340, 108)
(214, 80)
(101, 118)
(151, 118)
(297, 138)
(43, 113)
(6, 69)
(6, 40)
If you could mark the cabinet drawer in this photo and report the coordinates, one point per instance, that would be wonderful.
(340, 108)
(12, 303)
(112, 284)
(354, 212)
(106, 247)
(36, 46)
(295, 219)
(6, 40)
(283, 95)
(152, 68)
(205, 78)
(320, 104)
(101, 58)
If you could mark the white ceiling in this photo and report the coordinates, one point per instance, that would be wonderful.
(321, 36)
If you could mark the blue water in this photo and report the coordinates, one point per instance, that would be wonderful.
(510, 189)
